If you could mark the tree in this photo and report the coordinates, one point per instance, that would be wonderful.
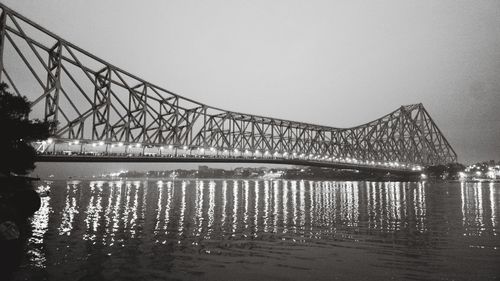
(447, 171)
(17, 132)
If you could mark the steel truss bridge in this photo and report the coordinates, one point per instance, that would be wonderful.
(107, 114)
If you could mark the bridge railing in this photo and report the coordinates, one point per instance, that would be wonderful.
(76, 149)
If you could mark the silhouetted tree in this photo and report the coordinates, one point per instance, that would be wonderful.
(17, 132)
(447, 171)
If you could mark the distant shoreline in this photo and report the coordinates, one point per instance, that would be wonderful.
(258, 179)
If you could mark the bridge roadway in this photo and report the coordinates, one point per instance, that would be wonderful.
(215, 159)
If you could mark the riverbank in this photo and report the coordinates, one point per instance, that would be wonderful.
(18, 202)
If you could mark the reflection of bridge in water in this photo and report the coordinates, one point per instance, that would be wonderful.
(196, 215)
(210, 209)
(107, 114)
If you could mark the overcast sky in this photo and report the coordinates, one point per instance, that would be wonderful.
(336, 63)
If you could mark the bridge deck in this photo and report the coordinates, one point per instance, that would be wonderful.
(191, 159)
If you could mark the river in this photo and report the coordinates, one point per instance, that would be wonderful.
(201, 229)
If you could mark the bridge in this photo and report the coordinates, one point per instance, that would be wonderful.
(106, 114)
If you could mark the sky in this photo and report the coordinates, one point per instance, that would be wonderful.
(335, 63)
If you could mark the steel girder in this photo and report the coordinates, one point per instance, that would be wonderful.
(95, 101)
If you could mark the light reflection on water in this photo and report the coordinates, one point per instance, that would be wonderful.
(479, 209)
(40, 223)
(190, 214)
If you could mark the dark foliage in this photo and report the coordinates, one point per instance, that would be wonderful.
(17, 132)
(448, 171)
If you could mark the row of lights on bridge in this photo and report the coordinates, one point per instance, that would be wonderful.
(266, 152)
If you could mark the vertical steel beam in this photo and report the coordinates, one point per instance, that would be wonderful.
(53, 86)
(3, 23)
(101, 106)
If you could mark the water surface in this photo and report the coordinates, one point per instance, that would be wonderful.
(264, 230)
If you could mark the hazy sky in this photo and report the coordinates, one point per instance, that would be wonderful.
(337, 63)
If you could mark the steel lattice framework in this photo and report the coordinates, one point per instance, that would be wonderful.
(95, 101)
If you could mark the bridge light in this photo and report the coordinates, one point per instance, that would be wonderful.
(120, 144)
(212, 148)
(76, 142)
(295, 154)
(184, 147)
(138, 145)
(285, 153)
(112, 145)
(101, 143)
(94, 144)
(161, 147)
(236, 150)
(202, 149)
(266, 153)
(49, 140)
(170, 146)
(246, 151)
(423, 176)
(256, 151)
